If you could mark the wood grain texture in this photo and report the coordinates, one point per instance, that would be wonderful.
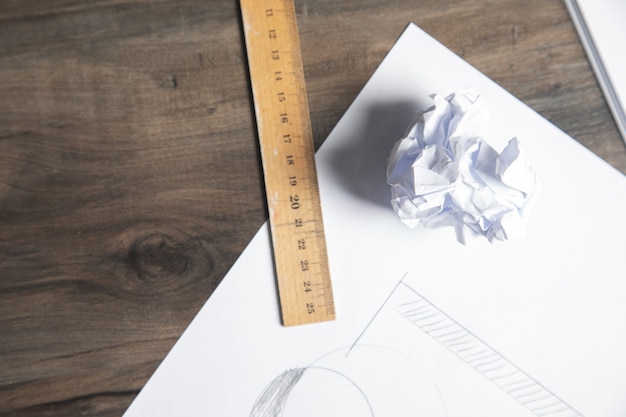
(130, 176)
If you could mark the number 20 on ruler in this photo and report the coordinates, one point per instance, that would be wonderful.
(288, 156)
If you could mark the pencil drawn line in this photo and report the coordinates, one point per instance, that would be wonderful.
(526, 386)
(354, 384)
(484, 359)
(447, 326)
(443, 401)
(375, 315)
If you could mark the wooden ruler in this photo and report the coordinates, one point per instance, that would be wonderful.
(288, 156)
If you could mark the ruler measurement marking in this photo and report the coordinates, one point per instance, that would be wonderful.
(288, 156)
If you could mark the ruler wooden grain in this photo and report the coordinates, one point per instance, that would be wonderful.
(288, 156)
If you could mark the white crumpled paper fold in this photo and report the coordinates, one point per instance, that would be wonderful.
(444, 173)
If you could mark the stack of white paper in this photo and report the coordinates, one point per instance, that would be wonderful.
(426, 326)
(601, 25)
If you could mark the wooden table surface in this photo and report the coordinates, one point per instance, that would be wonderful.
(130, 178)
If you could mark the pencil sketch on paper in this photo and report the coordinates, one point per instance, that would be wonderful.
(273, 400)
(354, 382)
(483, 359)
(383, 372)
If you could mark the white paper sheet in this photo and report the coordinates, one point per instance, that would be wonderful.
(426, 326)
(601, 25)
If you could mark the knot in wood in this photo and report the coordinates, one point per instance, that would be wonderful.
(158, 256)
(165, 261)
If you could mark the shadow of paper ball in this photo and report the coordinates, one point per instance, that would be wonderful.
(360, 165)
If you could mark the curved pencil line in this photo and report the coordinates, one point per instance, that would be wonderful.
(351, 381)
(271, 402)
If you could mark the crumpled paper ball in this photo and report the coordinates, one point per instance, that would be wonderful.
(444, 173)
